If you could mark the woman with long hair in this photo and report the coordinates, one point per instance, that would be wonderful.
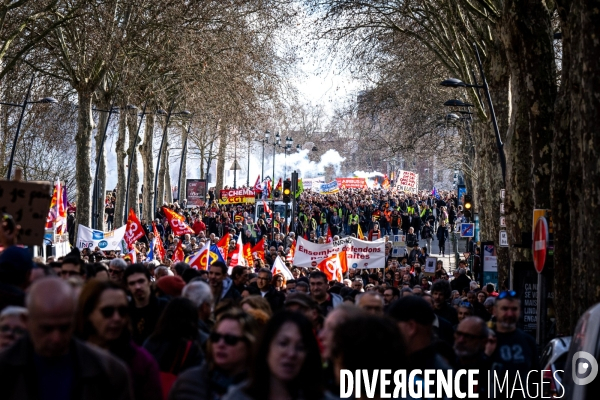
(229, 349)
(277, 281)
(175, 343)
(103, 320)
(287, 363)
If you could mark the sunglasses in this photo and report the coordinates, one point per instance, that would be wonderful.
(507, 294)
(109, 311)
(16, 331)
(230, 340)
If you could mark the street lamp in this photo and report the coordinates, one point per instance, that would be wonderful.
(162, 144)
(289, 142)
(457, 83)
(276, 142)
(265, 140)
(45, 100)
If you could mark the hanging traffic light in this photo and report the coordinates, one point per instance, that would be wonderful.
(468, 205)
(287, 191)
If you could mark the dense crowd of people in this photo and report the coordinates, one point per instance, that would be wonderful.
(95, 325)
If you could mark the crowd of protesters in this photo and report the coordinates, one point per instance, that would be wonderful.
(95, 325)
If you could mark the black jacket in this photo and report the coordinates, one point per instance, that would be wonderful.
(275, 299)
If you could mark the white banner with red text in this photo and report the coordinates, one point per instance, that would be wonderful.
(359, 253)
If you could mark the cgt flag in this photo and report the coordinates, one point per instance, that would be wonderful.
(258, 251)
(200, 260)
(158, 244)
(333, 266)
(177, 222)
(178, 254)
(223, 246)
(258, 186)
(133, 230)
(248, 254)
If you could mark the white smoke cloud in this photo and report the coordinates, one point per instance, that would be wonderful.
(364, 174)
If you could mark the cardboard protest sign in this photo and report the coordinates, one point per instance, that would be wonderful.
(28, 204)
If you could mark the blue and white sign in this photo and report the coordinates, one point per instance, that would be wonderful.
(467, 230)
(331, 187)
(89, 238)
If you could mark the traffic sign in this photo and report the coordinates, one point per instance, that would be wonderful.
(540, 243)
(503, 239)
(467, 230)
(502, 222)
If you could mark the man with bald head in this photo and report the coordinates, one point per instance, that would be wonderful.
(50, 363)
(371, 302)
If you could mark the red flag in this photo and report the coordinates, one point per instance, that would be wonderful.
(178, 254)
(280, 268)
(329, 237)
(332, 267)
(134, 230)
(237, 257)
(248, 254)
(223, 246)
(177, 222)
(267, 209)
(257, 185)
(158, 246)
(269, 188)
(258, 251)
(292, 252)
(279, 185)
(200, 260)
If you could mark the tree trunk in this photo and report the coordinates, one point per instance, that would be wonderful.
(584, 86)
(561, 152)
(85, 126)
(104, 104)
(221, 157)
(168, 188)
(147, 162)
(134, 178)
(181, 184)
(160, 187)
(121, 178)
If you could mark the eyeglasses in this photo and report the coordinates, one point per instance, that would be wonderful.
(108, 311)
(16, 331)
(507, 294)
(115, 271)
(230, 340)
(467, 335)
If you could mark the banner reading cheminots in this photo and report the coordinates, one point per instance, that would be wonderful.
(359, 253)
(236, 196)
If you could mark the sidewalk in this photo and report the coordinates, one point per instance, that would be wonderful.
(449, 258)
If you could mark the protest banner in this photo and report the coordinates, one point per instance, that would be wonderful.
(236, 196)
(28, 204)
(408, 181)
(195, 191)
(352, 183)
(88, 238)
(359, 253)
(329, 188)
(312, 183)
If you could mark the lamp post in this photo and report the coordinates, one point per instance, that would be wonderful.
(131, 157)
(183, 155)
(289, 142)
(248, 170)
(276, 142)
(45, 100)
(265, 140)
(453, 82)
(235, 164)
(162, 144)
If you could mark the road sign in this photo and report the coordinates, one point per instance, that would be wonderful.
(467, 230)
(501, 208)
(503, 239)
(540, 242)
(502, 222)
